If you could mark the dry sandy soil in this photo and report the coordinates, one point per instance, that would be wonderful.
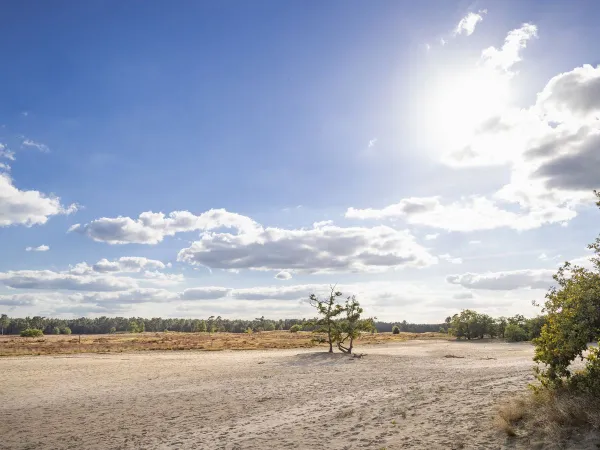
(401, 395)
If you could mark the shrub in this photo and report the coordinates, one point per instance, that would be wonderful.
(514, 333)
(32, 332)
(66, 330)
(55, 330)
(396, 329)
(113, 330)
(295, 328)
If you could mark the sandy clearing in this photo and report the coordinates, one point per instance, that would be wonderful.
(404, 395)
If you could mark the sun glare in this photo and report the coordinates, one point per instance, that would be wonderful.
(462, 101)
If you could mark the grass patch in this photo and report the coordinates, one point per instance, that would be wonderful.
(552, 416)
(123, 342)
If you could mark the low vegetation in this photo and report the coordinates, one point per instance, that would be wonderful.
(470, 324)
(127, 342)
(563, 403)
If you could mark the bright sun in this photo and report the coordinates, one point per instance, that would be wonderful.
(463, 100)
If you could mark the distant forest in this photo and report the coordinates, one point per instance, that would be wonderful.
(106, 325)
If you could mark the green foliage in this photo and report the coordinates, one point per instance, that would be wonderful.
(32, 332)
(328, 311)
(349, 328)
(56, 330)
(515, 333)
(471, 325)
(113, 330)
(573, 321)
(4, 322)
(295, 328)
(65, 330)
(396, 329)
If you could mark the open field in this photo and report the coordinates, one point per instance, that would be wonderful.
(105, 343)
(401, 395)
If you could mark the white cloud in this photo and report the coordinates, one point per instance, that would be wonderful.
(15, 300)
(41, 248)
(151, 228)
(283, 275)
(468, 23)
(507, 280)
(510, 53)
(27, 207)
(372, 142)
(47, 279)
(6, 153)
(317, 250)
(205, 293)
(450, 259)
(31, 143)
(128, 264)
(431, 237)
(468, 214)
(474, 242)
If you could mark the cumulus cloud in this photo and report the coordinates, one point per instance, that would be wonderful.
(152, 228)
(509, 54)
(205, 293)
(572, 95)
(41, 248)
(505, 281)
(18, 300)
(128, 264)
(550, 148)
(47, 279)
(283, 275)
(317, 250)
(432, 236)
(27, 207)
(468, 23)
(468, 214)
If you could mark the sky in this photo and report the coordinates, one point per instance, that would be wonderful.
(229, 158)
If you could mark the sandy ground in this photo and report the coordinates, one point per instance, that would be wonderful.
(406, 395)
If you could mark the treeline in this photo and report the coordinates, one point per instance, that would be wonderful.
(470, 324)
(405, 327)
(107, 325)
(467, 324)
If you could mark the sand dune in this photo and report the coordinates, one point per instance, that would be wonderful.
(407, 395)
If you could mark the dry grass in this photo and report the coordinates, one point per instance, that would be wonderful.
(105, 343)
(551, 417)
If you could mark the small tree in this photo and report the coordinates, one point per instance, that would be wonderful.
(515, 333)
(350, 327)
(396, 329)
(66, 330)
(56, 330)
(295, 328)
(328, 310)
(32, 332)
(4, 322)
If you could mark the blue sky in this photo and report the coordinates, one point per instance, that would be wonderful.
(426, 157)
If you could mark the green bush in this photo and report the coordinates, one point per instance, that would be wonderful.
(396, 329)
(113, 330)
(32, 332)
(514, 333)
(66, 330)
(55, 330)
(295, 328)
